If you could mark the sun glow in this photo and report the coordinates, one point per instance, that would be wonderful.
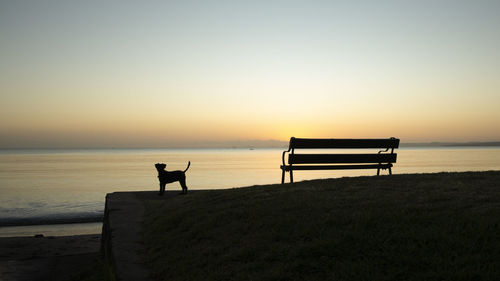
(171, 75)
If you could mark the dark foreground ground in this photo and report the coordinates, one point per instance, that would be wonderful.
(443, 226)
(50, 258)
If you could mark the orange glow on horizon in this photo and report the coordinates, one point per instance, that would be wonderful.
(168, 74)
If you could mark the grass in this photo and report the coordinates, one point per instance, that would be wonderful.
(98, 270)
(443, 226)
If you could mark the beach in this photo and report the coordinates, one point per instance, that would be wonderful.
(48, 258)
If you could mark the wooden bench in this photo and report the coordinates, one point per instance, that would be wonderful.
(324, 161)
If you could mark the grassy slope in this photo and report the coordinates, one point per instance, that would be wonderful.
(400, 227)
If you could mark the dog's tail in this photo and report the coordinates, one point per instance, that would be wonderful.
(189, 164)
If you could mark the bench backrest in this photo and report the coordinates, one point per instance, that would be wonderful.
(344, 143)
(299, 143)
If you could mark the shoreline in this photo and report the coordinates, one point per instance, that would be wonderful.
(51, 230)
(52, 219)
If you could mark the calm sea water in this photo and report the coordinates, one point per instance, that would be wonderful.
(47, 186)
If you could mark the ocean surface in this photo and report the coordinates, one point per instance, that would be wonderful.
(56, 191)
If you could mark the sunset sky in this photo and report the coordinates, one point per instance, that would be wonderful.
(185, 73)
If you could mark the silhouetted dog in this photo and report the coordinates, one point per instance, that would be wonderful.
(168, 177)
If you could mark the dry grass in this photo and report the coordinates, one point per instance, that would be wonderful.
(443, 226)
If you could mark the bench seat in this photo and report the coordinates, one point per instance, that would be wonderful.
(336, 167)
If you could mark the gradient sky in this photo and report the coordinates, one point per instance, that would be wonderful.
(182, 73)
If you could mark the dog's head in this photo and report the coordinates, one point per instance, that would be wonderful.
(160, 166)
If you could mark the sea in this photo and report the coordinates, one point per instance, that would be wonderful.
(62, 191)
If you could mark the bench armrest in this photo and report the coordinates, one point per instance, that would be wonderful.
(283, 156)
(383, 150)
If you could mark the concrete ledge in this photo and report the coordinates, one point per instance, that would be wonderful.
(121, 236)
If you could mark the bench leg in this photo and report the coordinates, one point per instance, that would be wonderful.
(378, 172)
(390, 171)
(291, 176)
(283, 176)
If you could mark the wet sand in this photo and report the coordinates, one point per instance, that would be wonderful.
(47, 258)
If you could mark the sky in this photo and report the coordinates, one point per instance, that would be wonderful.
(191, 73)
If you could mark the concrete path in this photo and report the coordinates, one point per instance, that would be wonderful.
(122, 228)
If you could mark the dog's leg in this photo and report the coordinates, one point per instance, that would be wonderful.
(183, 185)
(162, 188)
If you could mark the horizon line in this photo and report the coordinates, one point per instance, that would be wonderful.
(278, 144)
